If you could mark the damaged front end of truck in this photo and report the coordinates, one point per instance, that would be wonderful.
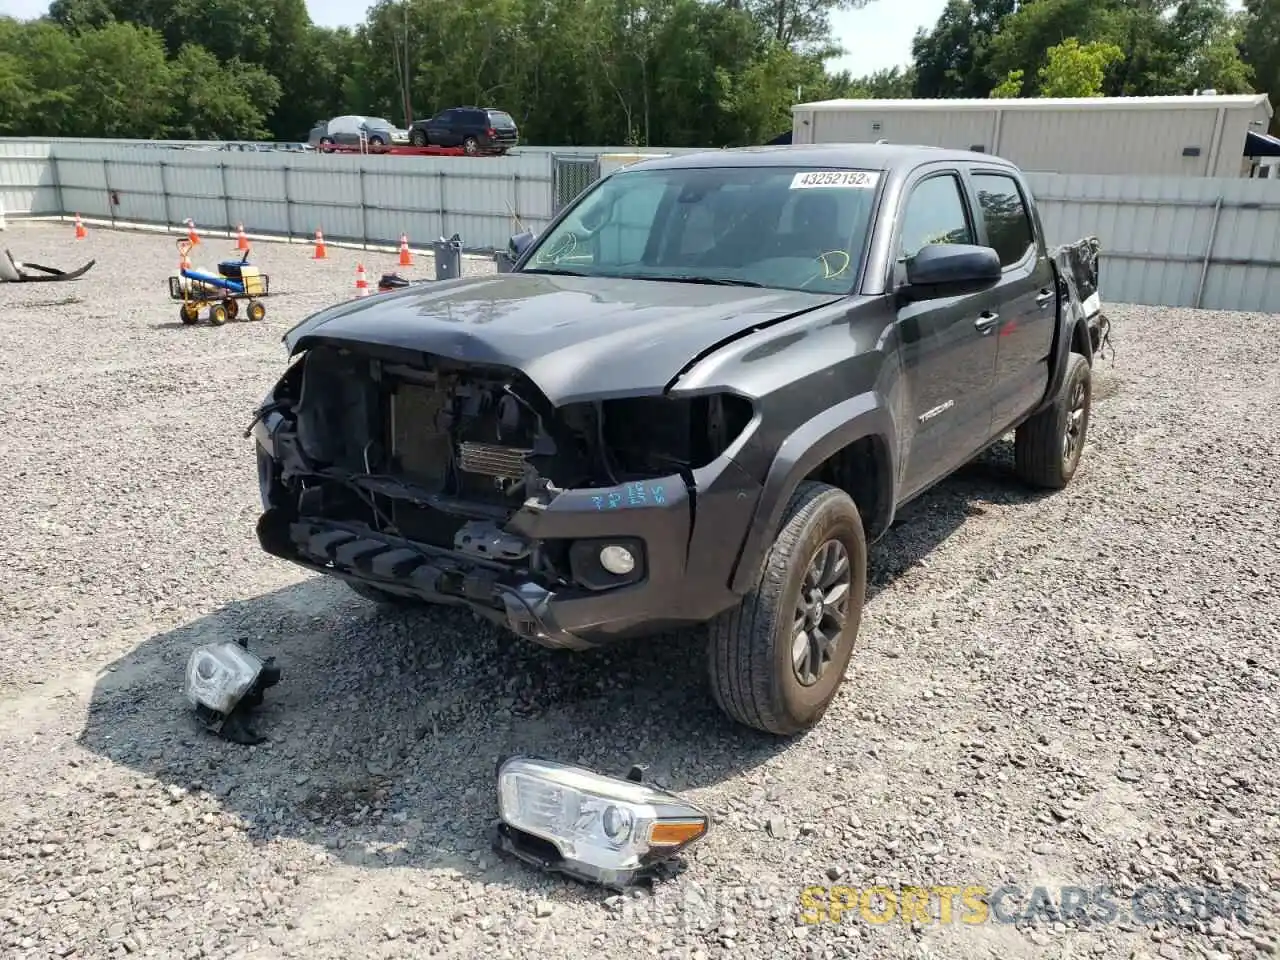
(456, 482)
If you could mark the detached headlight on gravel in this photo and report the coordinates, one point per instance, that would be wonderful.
(595, 828)
(223, 681)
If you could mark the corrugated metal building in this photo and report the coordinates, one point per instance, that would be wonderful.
(1191, 136)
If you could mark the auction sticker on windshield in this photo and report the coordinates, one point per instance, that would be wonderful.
(854, 179)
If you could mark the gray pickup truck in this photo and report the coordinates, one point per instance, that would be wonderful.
(696, 398)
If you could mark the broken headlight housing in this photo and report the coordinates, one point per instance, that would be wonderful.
(223, 682)
(592, 827)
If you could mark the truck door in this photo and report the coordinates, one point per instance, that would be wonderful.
(1026, 296)
(948, 350)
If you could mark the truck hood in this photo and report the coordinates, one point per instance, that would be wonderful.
(577, 338)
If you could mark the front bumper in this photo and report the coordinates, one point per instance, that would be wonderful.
(689, 544)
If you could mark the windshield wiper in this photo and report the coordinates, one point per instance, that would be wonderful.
(562, 273)
(716, 281)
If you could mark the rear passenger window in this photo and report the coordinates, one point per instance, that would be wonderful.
(1008, 226)
(935, 213)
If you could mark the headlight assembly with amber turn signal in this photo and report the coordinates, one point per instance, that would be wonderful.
(595, 828)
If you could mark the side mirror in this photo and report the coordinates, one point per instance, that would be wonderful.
(519, 243)
(951, 270)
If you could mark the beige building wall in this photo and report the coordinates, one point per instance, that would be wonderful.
(1184, 136)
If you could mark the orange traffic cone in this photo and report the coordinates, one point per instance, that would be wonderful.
(321, 253)
(362, 282)
(242, 242)
(406, 258)
(192, 237)
(81, 232)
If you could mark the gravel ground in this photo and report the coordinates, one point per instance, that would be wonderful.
(1076, 690)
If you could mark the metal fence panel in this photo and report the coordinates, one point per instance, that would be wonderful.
(1173, 241)
(369, 199)
(26, 179)
(571, 174)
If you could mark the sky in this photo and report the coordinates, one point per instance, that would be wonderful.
(877, 37)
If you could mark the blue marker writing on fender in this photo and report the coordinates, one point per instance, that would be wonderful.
(632, 495)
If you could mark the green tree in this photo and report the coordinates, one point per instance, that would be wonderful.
(1167, 47)
(1010, 87)
(1260, 47)
(123, 82)
(953, 59)
(215, 102)
(49, 71)
(1073, 70)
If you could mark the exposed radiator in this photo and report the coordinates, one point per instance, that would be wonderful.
(423, 450)
(492, 461)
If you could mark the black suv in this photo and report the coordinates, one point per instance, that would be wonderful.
(475, 129)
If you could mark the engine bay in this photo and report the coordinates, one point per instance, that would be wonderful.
(444, 452)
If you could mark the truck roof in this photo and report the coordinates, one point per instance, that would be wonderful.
(865, 156)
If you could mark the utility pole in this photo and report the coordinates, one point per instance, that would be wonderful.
(408, 104)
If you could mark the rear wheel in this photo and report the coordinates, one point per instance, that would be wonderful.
(217, 314)
(188, 314)
(256, 311)
(471, 146)
(1047, 447)
(777, 660)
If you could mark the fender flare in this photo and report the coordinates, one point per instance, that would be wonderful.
(804, 449)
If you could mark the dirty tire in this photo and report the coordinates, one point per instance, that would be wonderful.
(188, 315)
(1043, 457)
(753, 679)
(217, 314)
(381, 597)
(256, 311)
(233, 308)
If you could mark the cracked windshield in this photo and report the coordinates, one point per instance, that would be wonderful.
(778, 227)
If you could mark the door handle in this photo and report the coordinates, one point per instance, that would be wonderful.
(986, 321)
(1043, 298)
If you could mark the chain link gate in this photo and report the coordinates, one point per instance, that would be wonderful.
(570, 175)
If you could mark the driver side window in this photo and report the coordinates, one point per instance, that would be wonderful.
(935, 213)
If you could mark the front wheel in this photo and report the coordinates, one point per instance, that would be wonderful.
(777, 660)
(1047, 448)
(418, 138)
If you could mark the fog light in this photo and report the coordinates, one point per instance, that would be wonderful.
(617, 560)
(592, 827)
(223, 681)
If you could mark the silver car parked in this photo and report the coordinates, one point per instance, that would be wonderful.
(352, 130)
